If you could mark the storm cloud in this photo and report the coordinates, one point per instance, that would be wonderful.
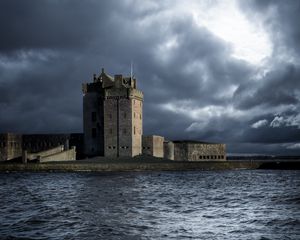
(195, 84)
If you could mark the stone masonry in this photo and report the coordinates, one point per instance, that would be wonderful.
(112, 116)
(153, 145)
(10, 146)
(199, 151)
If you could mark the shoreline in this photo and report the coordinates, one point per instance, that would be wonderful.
(148, 165)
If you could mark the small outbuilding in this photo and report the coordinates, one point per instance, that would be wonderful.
(199, 151)
(153, 145)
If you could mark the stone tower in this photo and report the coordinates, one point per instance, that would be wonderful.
(112, 116)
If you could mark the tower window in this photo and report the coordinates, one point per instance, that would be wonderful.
(94, 132)
(134, 114)
(134, 130)
(94, 117)
(140, 116)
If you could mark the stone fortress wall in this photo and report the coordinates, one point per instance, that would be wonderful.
(168, 150)
(137, 125)
(94, 129)
(12, 146)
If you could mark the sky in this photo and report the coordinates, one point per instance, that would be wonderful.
(217, 71)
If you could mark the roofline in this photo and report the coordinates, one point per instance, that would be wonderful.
(194, 142)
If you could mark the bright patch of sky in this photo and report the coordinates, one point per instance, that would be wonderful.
(249, 40)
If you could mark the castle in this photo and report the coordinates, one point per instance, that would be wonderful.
(112, 116)
(112, 126)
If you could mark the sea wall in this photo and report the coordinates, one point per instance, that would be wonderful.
(128, 166)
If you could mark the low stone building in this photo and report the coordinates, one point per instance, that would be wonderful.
(157, 146)
(199, 151)
(153, 145)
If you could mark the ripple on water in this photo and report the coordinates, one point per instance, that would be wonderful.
(151, 205)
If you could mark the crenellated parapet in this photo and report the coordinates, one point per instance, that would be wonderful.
(137, 94)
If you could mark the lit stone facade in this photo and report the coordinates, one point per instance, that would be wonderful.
(112, 116)
(153, 145)
(199, 151)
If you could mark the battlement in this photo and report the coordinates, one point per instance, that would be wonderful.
(135, 93)
(104, 83)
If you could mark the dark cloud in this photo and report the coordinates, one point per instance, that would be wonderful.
(278, 87)
(193, 87)
(52, 24)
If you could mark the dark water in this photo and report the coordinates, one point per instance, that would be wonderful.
(257, 204)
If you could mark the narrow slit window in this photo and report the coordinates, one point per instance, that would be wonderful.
(94, 117)
(94, 132)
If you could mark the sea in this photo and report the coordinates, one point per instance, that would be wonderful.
(231, 204)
